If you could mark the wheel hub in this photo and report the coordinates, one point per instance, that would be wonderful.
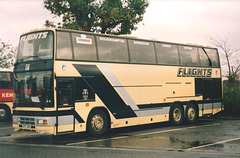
(177, 114)
(2, 112)
(97, 123)
(191, 113)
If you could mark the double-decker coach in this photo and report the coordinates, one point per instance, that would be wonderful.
(70, 81)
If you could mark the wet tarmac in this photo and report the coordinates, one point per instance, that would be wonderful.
(207, 138)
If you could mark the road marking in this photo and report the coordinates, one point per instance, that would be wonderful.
(98, 140)
(221, 142)
(177, 129)
(143, 134)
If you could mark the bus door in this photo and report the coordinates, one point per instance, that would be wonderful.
(65, 120)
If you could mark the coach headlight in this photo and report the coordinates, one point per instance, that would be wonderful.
(42, 122)
(16, 120)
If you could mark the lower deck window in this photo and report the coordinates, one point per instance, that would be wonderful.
(210, 88)
(83, 92)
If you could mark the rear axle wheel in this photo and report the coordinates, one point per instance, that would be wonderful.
(191, 113)
(176, 115)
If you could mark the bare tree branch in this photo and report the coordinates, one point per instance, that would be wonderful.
(229, 56)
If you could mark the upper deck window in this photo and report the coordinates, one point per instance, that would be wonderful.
(64, 49)
(188, 56)
(167, 54)
(36, 46)
(84, 47)
(204, 59)
(212, 53)
(112, 49)
(142, 52)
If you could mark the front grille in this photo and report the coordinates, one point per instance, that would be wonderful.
(27, 121)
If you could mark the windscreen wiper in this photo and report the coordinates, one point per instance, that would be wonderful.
(33, 56)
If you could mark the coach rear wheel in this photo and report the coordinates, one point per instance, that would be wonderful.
(191, 113)
(176, 114)
(97, 123)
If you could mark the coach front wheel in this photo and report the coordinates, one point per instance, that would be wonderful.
(97, 123)
(176, 114)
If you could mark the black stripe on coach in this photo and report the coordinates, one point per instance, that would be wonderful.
(49, 114)
(105, 91)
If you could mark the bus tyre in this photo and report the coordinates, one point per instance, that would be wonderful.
(191, 113)
(176, 114)
(4, 113)
(97, 123)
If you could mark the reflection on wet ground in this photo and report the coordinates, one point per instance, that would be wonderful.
(163, 136)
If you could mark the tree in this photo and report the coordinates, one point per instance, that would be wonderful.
(7, 55)
(229, 58)
(105, 16)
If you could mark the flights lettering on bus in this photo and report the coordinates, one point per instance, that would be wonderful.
(194, 72)
(69, 81)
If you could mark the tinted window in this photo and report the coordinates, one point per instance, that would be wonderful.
(167, 54)
(64, 49)
(5, 80)
(204, 60)
(83, 92)
(141, 52)
(217, 84)
(188, 56)
(212, 53)
(209, 88)
(198, 86)
(112, 49)
(84, 47)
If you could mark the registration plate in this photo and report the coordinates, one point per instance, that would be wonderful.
(26, 126)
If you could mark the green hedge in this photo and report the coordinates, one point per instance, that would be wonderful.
(231, 101)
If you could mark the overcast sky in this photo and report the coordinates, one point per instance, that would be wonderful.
(182, 21)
